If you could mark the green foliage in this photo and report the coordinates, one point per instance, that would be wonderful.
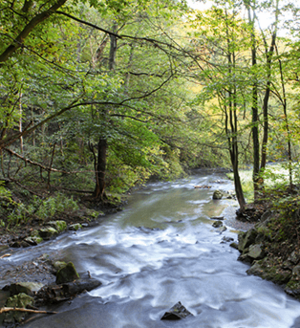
(53, 206)
(41, 208)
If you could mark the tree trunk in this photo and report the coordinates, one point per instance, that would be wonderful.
(269, 57)
(255, 117)
(99, 191)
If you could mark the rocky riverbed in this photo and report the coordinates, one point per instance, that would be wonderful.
(272, 249)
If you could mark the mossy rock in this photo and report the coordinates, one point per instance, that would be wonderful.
(234, 245)
(67, 273)
(19, 301)
(59, 265)
(293, 288)
(217, 194)
(256, 252)
(48, 232)
(75, 226)
(217, 224)
(266, 270)
(246, 239)
(59, 225)
(33, 240)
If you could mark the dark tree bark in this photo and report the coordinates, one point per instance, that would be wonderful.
(269, 58)
(255, 116)
(100, 168)
(231, 125)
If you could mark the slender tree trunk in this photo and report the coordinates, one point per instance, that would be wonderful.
(99, 191)
(255, 117)
(102, 147)
(21, 121)
(231, 124)
(287, 127)
(269, 57)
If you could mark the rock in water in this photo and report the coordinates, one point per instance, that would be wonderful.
(217, 194)
(67, 273)
(177, 312)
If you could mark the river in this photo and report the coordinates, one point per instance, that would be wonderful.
(160, 250)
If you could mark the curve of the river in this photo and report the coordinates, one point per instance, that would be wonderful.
(160, 250)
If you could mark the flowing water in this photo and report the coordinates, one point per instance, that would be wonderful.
(160, 250)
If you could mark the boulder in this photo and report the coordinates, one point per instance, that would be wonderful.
(58, 265)
(75, 226)
(234, 245)
(267, 270)
(58, 225)
(33, 241)
(47, 232)
(217, 194)
(217, 224)
(256, 252)
(246, 239)
(177, 312)
(67, 273)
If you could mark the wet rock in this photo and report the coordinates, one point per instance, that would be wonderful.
(217, 224)
(234, 245)
(48, 232)
(217, 194)
(58, 265)
(62, 292)
(18, 244)
(246, 239)
(28, 288)
(293, 288)
(266, 270)
(256, 252)
(33, 241)
(75, 227)
(177, 312)
(245, 258)
(58, 225)
(227, 239)
(19, 301)
(67, 273)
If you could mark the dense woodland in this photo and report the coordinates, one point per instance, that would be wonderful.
(97, 96)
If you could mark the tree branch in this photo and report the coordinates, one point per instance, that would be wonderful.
(39, 18)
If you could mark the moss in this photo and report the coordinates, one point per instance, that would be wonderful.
(67, 273)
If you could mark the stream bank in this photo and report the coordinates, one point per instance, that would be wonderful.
(272, 246)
